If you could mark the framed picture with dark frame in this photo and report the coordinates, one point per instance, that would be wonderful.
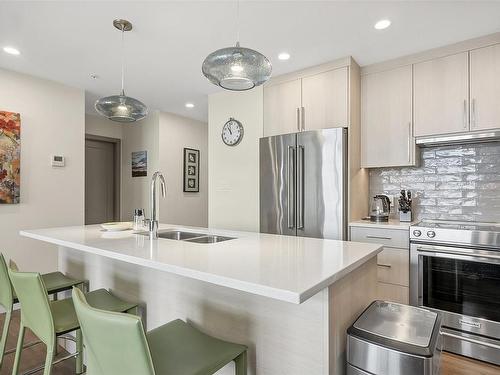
(191, 170)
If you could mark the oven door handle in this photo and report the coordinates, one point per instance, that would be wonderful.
(435, 252)
(471, 340)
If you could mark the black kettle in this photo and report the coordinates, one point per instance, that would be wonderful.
(380, 208)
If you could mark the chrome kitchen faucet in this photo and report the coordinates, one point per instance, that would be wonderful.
(153, 222)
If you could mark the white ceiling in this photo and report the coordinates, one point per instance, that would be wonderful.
(67, 41)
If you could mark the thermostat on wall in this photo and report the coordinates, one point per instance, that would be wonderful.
(57, 161)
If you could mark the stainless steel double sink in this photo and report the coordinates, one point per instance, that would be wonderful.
(189, 236)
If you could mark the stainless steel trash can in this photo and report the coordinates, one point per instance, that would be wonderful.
(391, 338)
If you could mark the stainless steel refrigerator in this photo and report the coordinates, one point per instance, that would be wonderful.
(303, 189)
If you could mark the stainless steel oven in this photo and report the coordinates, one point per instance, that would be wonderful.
(455, 269)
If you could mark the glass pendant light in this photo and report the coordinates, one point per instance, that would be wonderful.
(121, 108)
(237, 68)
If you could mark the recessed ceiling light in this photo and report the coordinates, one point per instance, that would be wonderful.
(382, 24)
(189, 105)
(284, 56)
(11, 50)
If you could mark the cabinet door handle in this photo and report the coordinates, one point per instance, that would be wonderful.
(409, 141)
(298, 119)
(473, 115)
(465, 113)
(384, 265)
(378, 237)
(303, 118)
(468, 339)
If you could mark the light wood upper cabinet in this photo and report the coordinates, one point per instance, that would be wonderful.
(386, 119)
(281, 104)
(485, 88)
(325, 100)
(441, 89)
(314, 100)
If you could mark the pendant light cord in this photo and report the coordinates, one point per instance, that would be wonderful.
(238, 23)
(123, 62)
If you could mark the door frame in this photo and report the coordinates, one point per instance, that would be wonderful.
(117, 143)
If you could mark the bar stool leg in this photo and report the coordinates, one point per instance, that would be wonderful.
(79, 350)
(55, 297)
(241, 364)
(19, 350)
(49, 358)
(5, 333)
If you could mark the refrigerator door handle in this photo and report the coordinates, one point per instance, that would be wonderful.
(290, 187)
(300, 187)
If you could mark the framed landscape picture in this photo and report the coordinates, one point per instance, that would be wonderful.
(10, 157)
(139, 164)
(191, 170)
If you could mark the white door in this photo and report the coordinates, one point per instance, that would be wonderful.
(441, 95)
(325, 100)
(281, 108)
(99, 182)
(386, 124)
(485, 88)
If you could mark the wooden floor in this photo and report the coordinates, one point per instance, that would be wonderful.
(34, 356)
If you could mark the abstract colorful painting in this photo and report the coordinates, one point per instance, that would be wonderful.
(10, 157)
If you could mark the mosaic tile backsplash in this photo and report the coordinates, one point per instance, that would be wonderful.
(460, 182)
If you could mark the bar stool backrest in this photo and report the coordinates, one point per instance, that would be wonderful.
(6, 295)
(35, 309)
(115, 343)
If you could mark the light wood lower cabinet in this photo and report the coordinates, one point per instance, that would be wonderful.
(393, 266)
(393, 293)
(393, 262)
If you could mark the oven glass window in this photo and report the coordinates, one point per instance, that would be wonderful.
(463, 287)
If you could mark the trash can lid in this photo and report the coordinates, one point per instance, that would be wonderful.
(401, 327)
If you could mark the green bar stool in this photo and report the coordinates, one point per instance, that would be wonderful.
(52, 319)
(55, 282)
(117, 344)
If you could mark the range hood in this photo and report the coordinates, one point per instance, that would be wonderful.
(458, 138)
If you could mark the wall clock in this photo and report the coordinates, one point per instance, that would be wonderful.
(232, 132)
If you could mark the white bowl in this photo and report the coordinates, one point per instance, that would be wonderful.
(117, 226)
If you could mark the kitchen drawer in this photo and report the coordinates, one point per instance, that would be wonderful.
(393, 266)
(392, 293)
(387, 237)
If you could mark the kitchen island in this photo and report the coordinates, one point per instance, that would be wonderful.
(290, 299)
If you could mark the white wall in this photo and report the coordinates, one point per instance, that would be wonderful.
(233, 187)
(101, 126)
(164, 136)
(138, 136)
(175, 134)
(52, 122)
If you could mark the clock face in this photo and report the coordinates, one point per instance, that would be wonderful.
(232, 132)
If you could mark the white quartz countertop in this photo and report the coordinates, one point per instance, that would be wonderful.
(285, 268)
(391, 224)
